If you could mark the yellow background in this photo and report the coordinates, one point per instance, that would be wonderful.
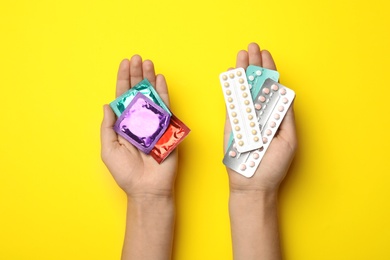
(58, 63)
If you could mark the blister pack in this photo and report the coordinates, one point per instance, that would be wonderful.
(120, 103)
(271, 104)
(142, 123)
(256, 77)
(241, 110)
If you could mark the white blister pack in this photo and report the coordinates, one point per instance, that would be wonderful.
(241, 110)
(271, 105)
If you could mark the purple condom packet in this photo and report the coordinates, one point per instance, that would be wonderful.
(142, 123)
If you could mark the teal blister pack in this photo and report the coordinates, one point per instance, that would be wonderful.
(120, 103)
(256, 77)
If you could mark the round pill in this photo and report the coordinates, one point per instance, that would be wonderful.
(224, 77)
(285, 100)
(252, 164)
(242, 87)
(232, 154)
(254, 132)
(262, 99)
(256, 139)
(226, 84)
(272, 124)
(240, 143)
(251, 78)
(228, 92)
(258, 72)
(265, 140)
(283, 91)
(268, 132)
(274, 87)
(235, 121)
(246, 102)
(242, 167)
(258, 106)
(255, 156)
(241, 80)
(231, 106)
(231, 75)
(230, 99)
(244, 95)
(248, 109)
(250, 117)
(239, 73)
(280, 108)
(234, 114)
(252, 124)
(266, 91)
(237, 128)
(239, 136)
(277, 116)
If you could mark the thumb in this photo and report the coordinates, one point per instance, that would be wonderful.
(107, 133)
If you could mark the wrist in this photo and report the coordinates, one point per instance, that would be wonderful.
(253, 198)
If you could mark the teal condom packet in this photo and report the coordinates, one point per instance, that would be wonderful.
(256, 76)
(144, 87)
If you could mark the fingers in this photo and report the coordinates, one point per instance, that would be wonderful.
(268, 61)
(162, 88)
(123, 78)
(136, 74)
(254, 54)
(107, 133)
(242, 59)
(148, 72)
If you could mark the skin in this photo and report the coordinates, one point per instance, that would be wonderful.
(253, 201)
(147, 184)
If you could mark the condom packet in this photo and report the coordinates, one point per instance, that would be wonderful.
(120, 103)
(142, 123)
(173, 136)
(256, 77)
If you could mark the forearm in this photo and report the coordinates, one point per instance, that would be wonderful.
(149, 228)
(254, 225)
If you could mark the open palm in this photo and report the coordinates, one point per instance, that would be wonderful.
(136, 173)
(278, 157)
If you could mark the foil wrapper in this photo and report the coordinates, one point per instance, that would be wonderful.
(142, 123)
(120, 103)
(173, 136)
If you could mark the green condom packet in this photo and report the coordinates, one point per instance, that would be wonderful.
(120, 103)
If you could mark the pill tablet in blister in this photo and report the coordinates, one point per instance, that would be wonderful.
(278, 105)
(240, 109)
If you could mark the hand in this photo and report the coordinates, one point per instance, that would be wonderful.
(138, 174)
(280, 153)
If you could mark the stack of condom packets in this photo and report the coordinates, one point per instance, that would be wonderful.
(146, 122)
(271, 101)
